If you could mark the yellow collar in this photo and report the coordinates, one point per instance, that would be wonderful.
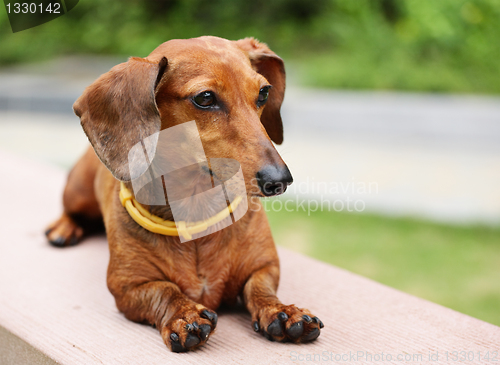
(169, 228)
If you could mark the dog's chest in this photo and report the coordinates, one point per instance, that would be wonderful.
(206, 287)
(204, 270)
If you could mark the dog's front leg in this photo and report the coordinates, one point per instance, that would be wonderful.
(276, 321)
(183, 324)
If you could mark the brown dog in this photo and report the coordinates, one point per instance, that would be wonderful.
(222, 85)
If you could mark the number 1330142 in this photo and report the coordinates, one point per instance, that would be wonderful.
(33, 8)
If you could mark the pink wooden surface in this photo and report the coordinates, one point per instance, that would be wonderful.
(57, 301)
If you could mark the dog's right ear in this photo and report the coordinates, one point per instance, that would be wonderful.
(119, 110)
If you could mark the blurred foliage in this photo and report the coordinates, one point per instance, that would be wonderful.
(424, 45)
(454, 266)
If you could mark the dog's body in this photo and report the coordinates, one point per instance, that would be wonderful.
(155, 278)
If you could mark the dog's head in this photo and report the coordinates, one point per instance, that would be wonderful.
(232, 89)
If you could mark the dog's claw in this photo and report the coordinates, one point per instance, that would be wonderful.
(318, 321)
(191, 340)
(211, 316)
(311, 336)
(196, 327)
(295, 330)
(205, 330)
(282, 316)
(58, 242)
(175, 344)
(256, 327)
(274, 329)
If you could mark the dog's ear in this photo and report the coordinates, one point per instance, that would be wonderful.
(269, 65)
(119, 110)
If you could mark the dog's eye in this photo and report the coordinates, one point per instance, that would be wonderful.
(204, 99)
(263, 95)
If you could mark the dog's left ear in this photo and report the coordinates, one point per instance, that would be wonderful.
(269, 65)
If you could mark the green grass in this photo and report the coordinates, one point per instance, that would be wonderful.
(455, 266)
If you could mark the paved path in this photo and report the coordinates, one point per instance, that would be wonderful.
(430, 156)
(403, 154)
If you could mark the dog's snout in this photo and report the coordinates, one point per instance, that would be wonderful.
(273, 180)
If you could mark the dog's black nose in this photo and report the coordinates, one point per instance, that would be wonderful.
(273, 180)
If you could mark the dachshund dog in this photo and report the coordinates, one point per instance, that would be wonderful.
(234, 91)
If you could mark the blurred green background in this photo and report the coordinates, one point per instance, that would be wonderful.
(420, 45)
(443, 46)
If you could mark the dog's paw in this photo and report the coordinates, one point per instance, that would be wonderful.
(285, 323)
(64, 232)
(189, 328)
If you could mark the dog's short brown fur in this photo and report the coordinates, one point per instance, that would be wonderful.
(157, 279)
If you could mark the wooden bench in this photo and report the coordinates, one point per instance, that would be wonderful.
(55, 307)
